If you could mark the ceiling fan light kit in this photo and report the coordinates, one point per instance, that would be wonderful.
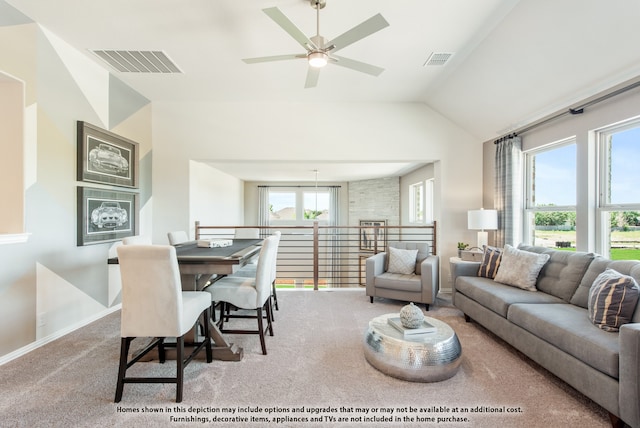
(317, 59)
(318, 49)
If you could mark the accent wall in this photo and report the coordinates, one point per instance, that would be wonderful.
(48, 284)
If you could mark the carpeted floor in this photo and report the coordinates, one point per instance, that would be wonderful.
(315, 369)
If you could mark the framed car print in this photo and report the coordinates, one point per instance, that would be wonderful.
(106, 215)
(373, 235)
(106, 158)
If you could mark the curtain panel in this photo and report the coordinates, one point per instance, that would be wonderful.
(508, 191)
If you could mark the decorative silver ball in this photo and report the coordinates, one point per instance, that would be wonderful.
(411, 316)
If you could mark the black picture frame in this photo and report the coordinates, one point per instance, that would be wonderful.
(373, 235)
(106, 215)
(106, 158)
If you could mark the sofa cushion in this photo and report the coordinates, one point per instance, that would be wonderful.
(599, 265)
(568, 328)
(612, 300)
(402, 261)
(562, 274)
(520, 268)
(398, 281)
(490, 262)
(496, 296)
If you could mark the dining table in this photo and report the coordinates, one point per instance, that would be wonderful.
(201, 265)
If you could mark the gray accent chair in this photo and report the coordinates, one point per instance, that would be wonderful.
(420, 287)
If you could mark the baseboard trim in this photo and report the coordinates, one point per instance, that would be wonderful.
(41, 342)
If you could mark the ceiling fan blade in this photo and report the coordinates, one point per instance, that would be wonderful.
(362, 67)
(288, 26)
(272, 58)
(360, 31)
(312, 77)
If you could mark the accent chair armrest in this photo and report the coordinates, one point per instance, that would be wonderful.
(629, 375)
(430, 272)
(374, 266)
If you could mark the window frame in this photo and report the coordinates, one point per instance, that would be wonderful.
(529, 209)
(299, 192)
(426, 206)
(605, 208)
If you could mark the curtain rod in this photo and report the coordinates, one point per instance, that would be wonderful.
(571, 111)
(314, 186)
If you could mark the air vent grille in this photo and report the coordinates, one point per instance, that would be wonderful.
(438, 58)
(138, 61)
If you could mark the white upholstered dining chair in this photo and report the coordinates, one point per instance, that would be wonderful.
(177, 237)
(247, 233)
(136, 240)
(250, 271)
(249, 293)
(154, 305)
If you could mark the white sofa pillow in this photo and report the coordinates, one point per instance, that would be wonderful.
(402, 261)
(520, 268)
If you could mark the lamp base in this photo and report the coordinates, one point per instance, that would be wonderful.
(483, 239)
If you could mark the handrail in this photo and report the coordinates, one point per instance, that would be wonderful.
(327, 256)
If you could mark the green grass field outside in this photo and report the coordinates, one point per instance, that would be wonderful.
(626, 245)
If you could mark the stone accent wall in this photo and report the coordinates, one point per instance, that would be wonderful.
(376, 199)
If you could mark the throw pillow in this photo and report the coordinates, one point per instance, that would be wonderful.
(520, 268)
(490, 262)
(402, 261)
(612, 300)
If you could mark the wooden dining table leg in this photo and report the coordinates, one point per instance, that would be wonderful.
(222, 350)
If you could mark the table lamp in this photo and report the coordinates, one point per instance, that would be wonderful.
(482, 220)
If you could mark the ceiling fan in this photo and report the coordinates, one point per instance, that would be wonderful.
(319, 51)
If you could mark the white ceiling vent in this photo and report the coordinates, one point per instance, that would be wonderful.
(138, 61)
(438, 58)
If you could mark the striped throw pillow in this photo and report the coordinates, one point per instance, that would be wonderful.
(612, 300)
(490, 262)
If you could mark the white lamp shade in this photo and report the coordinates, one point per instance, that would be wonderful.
(482, 219)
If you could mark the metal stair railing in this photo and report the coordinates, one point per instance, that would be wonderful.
(319, 256)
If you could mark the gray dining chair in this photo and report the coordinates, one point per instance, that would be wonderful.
(154, 305)
(249, 293)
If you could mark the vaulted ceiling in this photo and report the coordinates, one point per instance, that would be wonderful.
(512, 62)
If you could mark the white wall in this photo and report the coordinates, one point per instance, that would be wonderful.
(215, 198)
(281, 132)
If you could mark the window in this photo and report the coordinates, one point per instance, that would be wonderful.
(550, 210)
(316, 205)
(421, 202)
(416, 203)
(282, 206)
(619, 195)
(299, 206)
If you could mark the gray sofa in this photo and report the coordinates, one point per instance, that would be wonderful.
(551, 326)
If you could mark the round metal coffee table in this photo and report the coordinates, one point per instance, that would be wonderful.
(428, 357)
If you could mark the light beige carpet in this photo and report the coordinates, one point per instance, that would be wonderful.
(315, 365)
